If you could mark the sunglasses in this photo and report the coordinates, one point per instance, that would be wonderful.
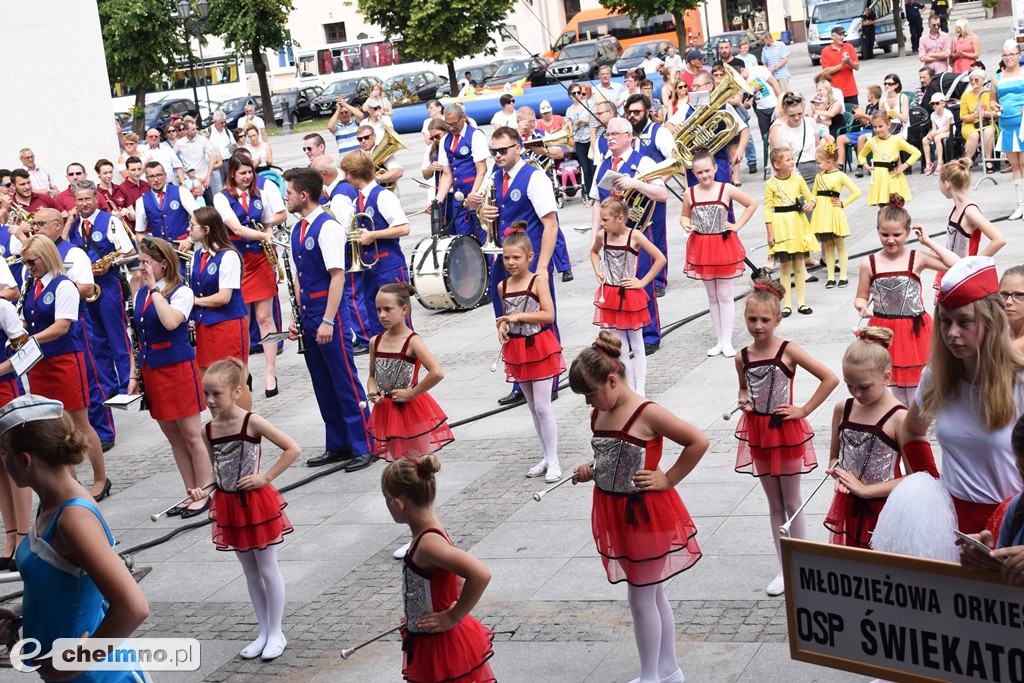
(890, 82)
(495, 151)
(436, 138)
(5, 184)
(30, 262)
(572, 93)
(375, 108)
(307, 149)
(935, 104)
(635, 112)
(792, 100)
(361, 138)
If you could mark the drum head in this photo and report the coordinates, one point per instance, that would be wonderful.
(466, 271)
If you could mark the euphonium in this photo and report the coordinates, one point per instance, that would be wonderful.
(23, 215)
(490, 228)
(358, 265)
(709, 127)
(559, 137)
(640, 207)
(385, 149)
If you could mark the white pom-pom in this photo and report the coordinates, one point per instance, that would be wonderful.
(918, 520)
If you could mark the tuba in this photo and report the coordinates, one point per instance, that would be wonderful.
(358, 264)
(709, 127)
(559, 137)
(640, 207)
(385, 149)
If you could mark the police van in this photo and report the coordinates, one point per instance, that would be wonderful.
(848, 14)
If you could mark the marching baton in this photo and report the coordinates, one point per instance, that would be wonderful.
(784, 529)
(158, 515)
(729, 413)
(363, 404)
(863, 319)
(540, 494)
(601, 283)
(345, 654)
(494, 365)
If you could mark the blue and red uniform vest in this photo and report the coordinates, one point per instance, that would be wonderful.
(168, 221)
(40, 313)
(387, 250)
(247, 219)
(628, 167)
(159, 346)
(314, 278)
(461, 160)
(206, 282)
(515, 205)
(96, 245)
(5, 252)
(646, 142)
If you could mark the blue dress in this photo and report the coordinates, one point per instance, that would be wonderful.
(61, 601)
(1011, 98)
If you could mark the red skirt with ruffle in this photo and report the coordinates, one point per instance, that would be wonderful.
(910, 349)
(852, 520)
(715, 256)
(243, 520)
(459, 655)
(528, 359)
(622, 309)
(643, 538)
(772, 446)
(406, 430)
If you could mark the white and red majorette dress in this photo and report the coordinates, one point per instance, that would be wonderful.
(259, 281)
(957, 239)
(898, 306)
(243, 520)
(532, 351)
(770, 445)
(712, 252)
(873, 456)
(221, 332)
(167, 360)
(644, 537)
(60, 375)
(458, 655)
(404, 430)
(622, 309)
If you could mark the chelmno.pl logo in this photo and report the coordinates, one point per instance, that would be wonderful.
(109, 654)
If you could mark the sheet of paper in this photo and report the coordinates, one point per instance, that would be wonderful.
(28, 355)
(123, 401)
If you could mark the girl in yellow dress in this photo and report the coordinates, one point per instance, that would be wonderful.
(828, 221)
(886, 168)
(787, 200)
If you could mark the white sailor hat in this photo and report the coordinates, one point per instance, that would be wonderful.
(28, 408)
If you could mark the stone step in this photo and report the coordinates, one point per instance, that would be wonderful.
(972, 11)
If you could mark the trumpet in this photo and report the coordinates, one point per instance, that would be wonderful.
(358, 264)
(23, 215)
(490, 245)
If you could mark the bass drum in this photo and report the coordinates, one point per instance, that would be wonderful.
(450, 273)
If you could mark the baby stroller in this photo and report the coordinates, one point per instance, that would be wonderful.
(566, 178)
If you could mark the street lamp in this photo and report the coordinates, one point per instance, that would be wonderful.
(184, 8)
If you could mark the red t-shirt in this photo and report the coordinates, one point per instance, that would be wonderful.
(842, 79)
(42, 201)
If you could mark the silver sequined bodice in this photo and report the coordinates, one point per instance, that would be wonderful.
(522, 302)
(418, 600)
(956, 241)
(618, 263)
(863, 452)
(897, 295)
(708, 219)
(768, 385)
(393, 372)
(233, 460)
(617, 462)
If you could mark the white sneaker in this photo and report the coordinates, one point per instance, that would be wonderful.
(554, 474)
(777, 586)
(539, 469)
(715, 350)
(275, 648)
(728, 351)
(255, 648)
(400, 553)
(675, 677)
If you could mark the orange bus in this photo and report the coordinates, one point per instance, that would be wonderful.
(594, 23)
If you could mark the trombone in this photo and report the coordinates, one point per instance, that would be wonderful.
(358, 263)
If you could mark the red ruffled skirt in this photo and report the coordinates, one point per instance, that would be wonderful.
(910, 349)
(62, 378)
(173, 391)
(772, 446)
(851, 520)
(244, 520)
(643, 538)
(460, 654)
(528, 359)
(404, 430)
(259, 281)
(622, 309)
(223, 340)
(714, 257)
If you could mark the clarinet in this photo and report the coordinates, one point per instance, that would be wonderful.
(133, 333)
(296, 311)
(29, 280)
(191, 321)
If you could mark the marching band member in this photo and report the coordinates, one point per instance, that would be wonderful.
(378, 244)
(51, 314)
(623, 159)
(463, 157)
(164, 210)
(392, 170)
(704, 82)
(338, 195)
(131, 189)
(318, 246)
(167, 364)
(219, 313)
(246, 214)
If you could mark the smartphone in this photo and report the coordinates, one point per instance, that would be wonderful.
(973, 542)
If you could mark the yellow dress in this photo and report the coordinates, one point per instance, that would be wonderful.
(887, 152)
(791, 229)
(827, 219)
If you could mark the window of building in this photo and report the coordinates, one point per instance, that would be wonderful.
(572, 8)
(335, 33)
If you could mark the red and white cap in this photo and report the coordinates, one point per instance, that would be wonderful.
(970, 279)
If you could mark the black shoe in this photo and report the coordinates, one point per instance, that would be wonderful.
(811, 278)
(805, 310)
(106, 445)
(650, 349)
(271, 393)
(830, 284)
(844, 283)
(175, 511)
(860, 172)
(786, 312)
(358, 350)
(512, 398)
(554, 395)
(659, 292)
(105, 492)
(330, 457)
(189, 512)
(567, 276)
(752, 168)
(361, 462)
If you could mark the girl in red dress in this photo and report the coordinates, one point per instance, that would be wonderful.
(247, 511)
(620, 303)
(641, 527)
(775, 439)
(441, 584)
(532, 352)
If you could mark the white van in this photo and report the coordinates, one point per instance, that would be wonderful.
(847, 13)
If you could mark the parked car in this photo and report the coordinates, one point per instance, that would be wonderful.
(422, 85)
(479, 74)
(710, 48)
(354, 90)
(234, 109)
(583, 59)
(530, 67)
(159, 114)
(636, 53)
(299, 102)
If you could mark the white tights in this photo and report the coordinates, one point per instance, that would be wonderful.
(538, 398)
(636, 367)
(783, 500)
(654, 628)
(722, 308)
(904, 394)
(266, 590)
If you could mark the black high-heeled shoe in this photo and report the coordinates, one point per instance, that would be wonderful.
(271, 393)
(5, 561)
(105, 492)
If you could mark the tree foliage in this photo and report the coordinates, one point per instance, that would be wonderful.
(141, 41)
(643, 10)
(439, 30)
(252, 27)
